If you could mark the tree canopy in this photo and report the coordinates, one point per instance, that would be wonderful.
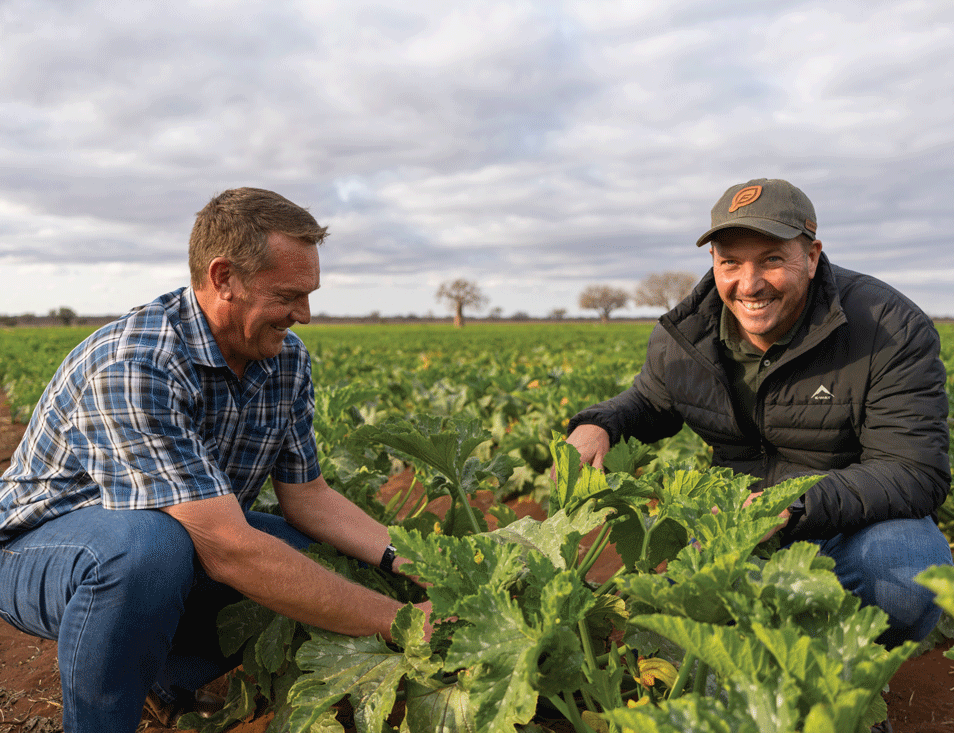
(460, 293)
(664, 289)
(604, 299)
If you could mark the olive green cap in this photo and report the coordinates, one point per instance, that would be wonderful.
(770, 206)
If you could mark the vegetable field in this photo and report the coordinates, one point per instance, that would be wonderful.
(732, 636)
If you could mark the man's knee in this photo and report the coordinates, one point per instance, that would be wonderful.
(149, 549)
(912, 613)
(879, 565)
(141, 561)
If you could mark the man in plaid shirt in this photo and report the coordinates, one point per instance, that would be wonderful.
(146, 453)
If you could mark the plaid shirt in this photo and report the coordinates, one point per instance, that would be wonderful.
(145, 413)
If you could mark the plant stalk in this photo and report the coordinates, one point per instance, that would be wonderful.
(687, 661)
(393, 512)
(605, 588)
(573, 714)
(593, 554)
(468, 510)
(702, 672)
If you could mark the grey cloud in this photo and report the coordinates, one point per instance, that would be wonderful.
(554, 141)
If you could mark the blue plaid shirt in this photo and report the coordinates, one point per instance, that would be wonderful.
(145, 413)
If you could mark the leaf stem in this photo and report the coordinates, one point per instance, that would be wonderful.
(603, 589)
(407, 495)
(591, 662)
(468, 510)
(419, 507)
(594, 552)
(573, 714)
(687, 661)
(702, 672)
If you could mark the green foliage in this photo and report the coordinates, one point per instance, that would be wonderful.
(789, 648)
(28, 359)
(770, 635)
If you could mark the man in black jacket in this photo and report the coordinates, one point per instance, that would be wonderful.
(788, 365)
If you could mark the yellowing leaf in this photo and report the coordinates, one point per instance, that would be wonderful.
(653, 669)
(595, 721)
(631, 703)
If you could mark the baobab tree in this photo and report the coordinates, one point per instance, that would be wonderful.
(460, 293)
(603, 298)
(664, 289)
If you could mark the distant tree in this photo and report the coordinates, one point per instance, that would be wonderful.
(603, 298)
(495, 313)
(460, 293)
(557, 314)
(520, 316)
(66, 316)
(664, 289)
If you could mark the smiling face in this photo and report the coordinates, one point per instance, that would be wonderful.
(257, 313)
(763, 281)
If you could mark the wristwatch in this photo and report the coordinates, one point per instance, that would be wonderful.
(387, 559)
(796, 512)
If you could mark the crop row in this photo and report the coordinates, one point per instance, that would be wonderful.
(734, 636)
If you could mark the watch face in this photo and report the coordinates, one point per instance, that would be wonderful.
(387, 560)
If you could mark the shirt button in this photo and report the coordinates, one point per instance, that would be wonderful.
(767, 362)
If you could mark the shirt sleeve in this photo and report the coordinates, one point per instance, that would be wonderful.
(134, 432)
(298, 461)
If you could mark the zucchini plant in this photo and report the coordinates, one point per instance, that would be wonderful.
(703, 628)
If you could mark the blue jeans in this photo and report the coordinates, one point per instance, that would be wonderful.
(122, 594)
(878, 564)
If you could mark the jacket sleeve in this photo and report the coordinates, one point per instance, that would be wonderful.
(643, 411)
(904, 469)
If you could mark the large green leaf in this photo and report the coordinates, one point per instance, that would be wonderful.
(496, 652)
(575, 483)
(443, 444)
(726, 649)
(272, 645)
(241, 621)
(627, 456)
(698, 594)
(458, 567)
(510, 660)
(557, 537)
(364, 668)
(433, 707)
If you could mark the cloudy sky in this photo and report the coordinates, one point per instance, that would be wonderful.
(533, 147)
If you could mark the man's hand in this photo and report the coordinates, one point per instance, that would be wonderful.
(592, 442)
(396, 568)
(275, 575)
(428, 625)
(783, 516)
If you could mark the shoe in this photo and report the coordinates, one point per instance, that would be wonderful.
(883, 727)
(167, 714)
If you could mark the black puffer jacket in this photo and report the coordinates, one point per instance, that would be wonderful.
(858, 395)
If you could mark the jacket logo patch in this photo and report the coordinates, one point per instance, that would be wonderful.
(822, 394)
(745, 197)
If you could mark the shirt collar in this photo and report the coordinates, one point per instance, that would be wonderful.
(729, 332)
(202, 346)
(196, 333)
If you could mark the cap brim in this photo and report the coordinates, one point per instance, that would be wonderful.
(768, 227)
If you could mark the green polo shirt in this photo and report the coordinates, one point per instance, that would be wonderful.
(746, 364)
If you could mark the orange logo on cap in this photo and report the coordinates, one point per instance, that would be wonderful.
(745, 197)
